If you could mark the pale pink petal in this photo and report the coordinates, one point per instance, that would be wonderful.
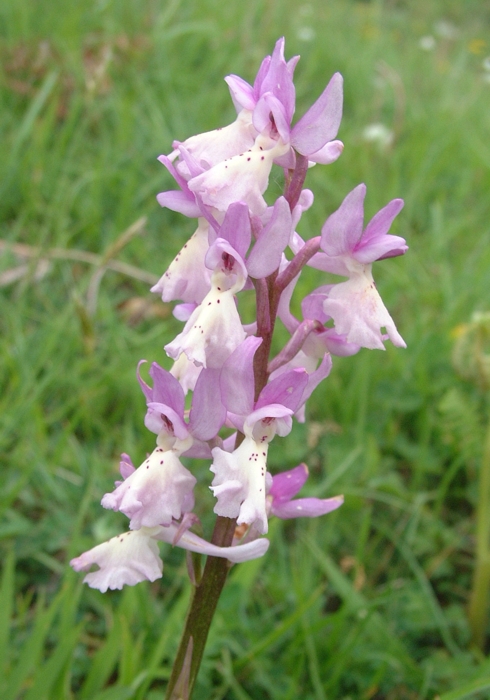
(124, 560)
(243, 178)
(187, 277)
(194, 543)
(359, 313)
(240, 483)
(155, 493)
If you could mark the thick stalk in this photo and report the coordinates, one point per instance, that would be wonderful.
(208, 591)
(478, 608)
(200, 616)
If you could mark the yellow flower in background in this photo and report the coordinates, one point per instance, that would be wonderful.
(477, 46)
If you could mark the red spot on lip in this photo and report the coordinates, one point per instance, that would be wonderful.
(229, 261)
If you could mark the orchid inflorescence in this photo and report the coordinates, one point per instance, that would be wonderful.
(222, 368)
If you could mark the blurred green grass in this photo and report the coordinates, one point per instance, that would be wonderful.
(369, 602)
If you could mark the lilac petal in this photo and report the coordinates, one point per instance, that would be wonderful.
(194, 543)
(379, 249)
(183, 312)
(287, 390)
(126, 463)
(198, 450)
(236, 228)
(343, 229)
(241, 92)
(337, 344)
(287, 484)
(260, 426)
(260, 77)
(306, 507)
(207, 413)
(189, 166)
(330, 152)
(266, 254)
(286, 161)
(375, 243)
(184, 202)
(314, 378)
(222, 256)
(321, 122)
(161, 417)
(304, 203)
(126, 466)
(147, 390)
(292, 63)
(278, 80)
(229, 443)
(312, 306)
(166, 389)
(181, 181)
(269, 105)
(181, 202)
(237, 378)
(188, 521)
(335, 265)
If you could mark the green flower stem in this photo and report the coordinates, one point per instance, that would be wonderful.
(478, 608)
(200, 616)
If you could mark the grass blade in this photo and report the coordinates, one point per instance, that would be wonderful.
(6, 596)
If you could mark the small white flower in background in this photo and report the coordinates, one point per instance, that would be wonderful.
(445, 29)
(427, 43)
(486, 69)
(378, 134)
(306, 33)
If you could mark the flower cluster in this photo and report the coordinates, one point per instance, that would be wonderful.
(221, 367)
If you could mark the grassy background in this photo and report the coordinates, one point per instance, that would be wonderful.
(367, 603)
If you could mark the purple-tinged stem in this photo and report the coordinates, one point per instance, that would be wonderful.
(295, 185)
(309, 249)
(295, 343)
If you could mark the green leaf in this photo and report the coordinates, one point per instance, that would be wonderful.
(6, 596)
(466, 691)
(103, 663)
(33, 649)
(49, 672)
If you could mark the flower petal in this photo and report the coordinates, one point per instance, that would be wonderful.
(306, 507)
(321, 122)
(359, 313)
(124, 560)
(155, 493)
(343, 229)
